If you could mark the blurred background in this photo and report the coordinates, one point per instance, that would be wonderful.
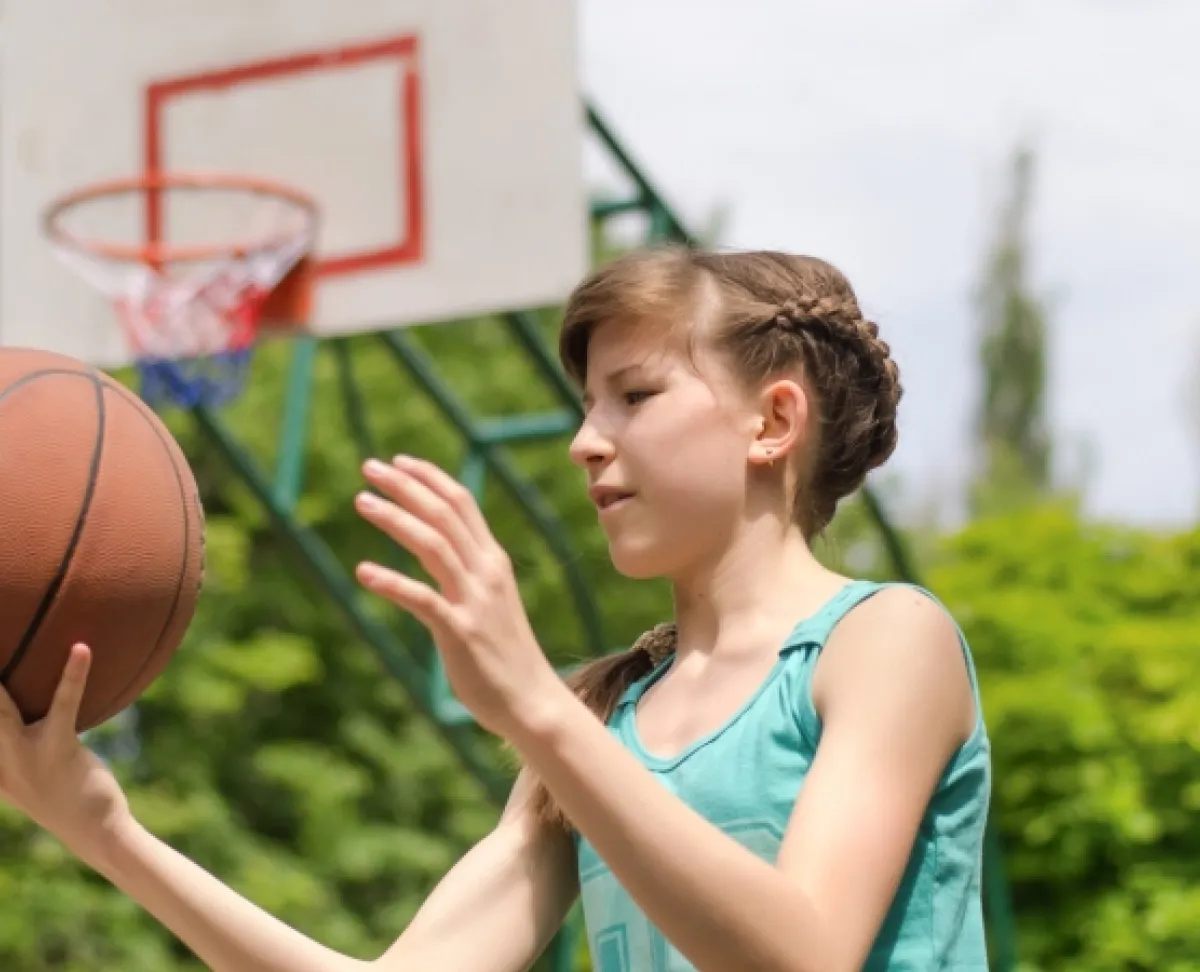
(1011, 188)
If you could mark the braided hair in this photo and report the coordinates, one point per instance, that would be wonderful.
(817, 330)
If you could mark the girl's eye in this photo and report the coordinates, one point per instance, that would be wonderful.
(636, 397)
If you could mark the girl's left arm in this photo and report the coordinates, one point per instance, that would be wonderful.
(891, 689)
(895, 702)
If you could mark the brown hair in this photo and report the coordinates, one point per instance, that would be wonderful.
(768, 314)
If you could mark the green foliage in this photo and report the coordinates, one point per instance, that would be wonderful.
(1086, 640)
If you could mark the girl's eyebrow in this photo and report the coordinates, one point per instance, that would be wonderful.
(613, 377)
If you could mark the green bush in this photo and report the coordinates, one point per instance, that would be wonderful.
(1087, 639)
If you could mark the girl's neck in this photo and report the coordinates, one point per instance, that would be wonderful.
(752, 595)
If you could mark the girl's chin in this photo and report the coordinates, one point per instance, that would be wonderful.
(638, 558)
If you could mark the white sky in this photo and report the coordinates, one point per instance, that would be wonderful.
(876, 134)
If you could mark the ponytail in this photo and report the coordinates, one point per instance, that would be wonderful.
(600, 685)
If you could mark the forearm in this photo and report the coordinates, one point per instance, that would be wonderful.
(227, 932)
(719, 904)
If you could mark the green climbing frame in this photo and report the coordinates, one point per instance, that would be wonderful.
(487, 461)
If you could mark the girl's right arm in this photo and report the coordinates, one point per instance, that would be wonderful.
(497, 909)
(494, 912)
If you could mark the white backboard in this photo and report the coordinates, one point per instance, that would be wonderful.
(443, 139)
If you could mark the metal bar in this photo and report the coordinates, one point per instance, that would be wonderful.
(607, 208)
(661, 221)
(997, 897)
(332, 577)
(893, 543)
(645, 189)
(289, 465)
(352, 400)
(355, 408)
(532, 427)
(524, 330)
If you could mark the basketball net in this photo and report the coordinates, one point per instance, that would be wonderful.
(191, 312)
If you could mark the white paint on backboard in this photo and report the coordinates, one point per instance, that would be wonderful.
(500, 153)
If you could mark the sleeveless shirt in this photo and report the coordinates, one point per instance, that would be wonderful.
(745, 777)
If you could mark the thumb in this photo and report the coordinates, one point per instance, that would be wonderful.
(11, 720)
(64, 709)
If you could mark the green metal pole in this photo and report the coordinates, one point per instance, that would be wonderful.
(524, 330)
(352, 400)
(289, 467)
(997, 897)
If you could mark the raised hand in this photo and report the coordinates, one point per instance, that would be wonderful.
(49, 775)
(476, 617)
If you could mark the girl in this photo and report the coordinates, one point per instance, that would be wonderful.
(791, 777)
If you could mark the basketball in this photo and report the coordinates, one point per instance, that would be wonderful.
(101, 535)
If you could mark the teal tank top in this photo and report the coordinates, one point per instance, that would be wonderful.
(745, 777)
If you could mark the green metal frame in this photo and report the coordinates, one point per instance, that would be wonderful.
(486, 440)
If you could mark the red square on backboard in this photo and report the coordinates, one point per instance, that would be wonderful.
(409, 247)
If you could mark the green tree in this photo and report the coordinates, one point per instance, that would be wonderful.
(1013, 440)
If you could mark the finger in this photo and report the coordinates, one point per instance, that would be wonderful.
(68, 697)
(413, 495)
(418, 599)
(433, 551)
(10, 716)
(452, 492)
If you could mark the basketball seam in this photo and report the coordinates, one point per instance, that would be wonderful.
(89, 492)
(34, 375)
(187, 537)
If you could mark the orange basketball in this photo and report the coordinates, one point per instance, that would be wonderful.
(101, 535)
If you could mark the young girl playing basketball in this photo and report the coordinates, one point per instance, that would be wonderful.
(794, 775)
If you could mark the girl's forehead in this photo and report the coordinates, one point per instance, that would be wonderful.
(648, 342)
(623, 352)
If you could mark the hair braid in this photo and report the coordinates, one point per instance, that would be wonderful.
(857, 385)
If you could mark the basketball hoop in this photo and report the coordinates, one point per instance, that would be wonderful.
(192, 309)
